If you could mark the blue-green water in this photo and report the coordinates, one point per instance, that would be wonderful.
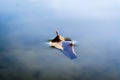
(27, 25)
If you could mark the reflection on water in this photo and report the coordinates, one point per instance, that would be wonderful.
(24, 54)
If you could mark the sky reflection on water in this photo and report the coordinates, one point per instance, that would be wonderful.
(26, 26)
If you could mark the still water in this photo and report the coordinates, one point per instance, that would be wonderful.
(26, 26)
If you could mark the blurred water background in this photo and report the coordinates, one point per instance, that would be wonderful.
(26, 26)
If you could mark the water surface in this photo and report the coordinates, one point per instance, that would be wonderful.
(26, 26)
